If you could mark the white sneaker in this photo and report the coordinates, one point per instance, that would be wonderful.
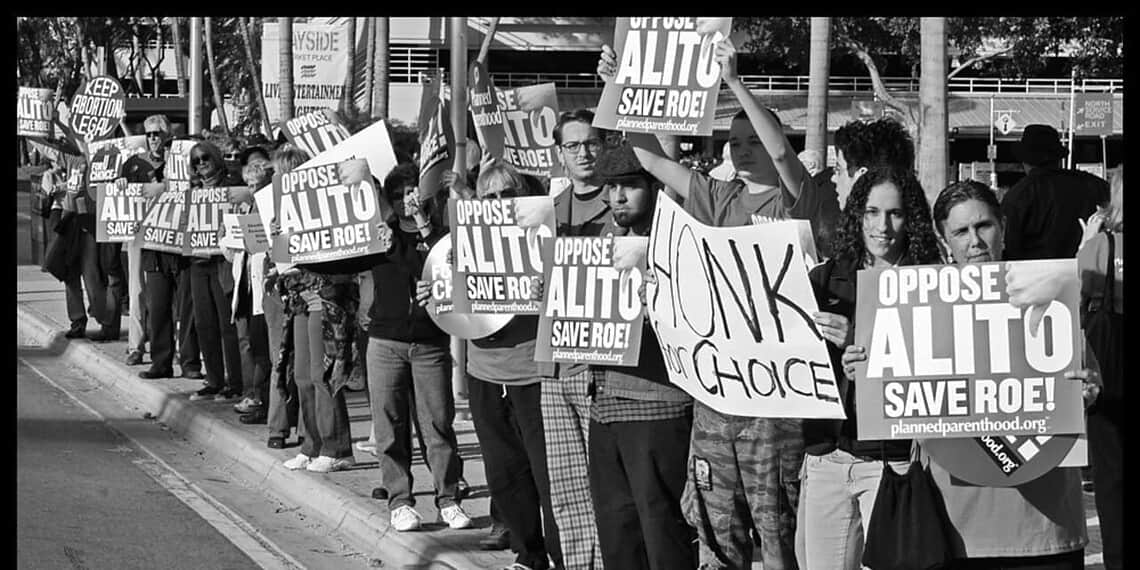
(300, 462)
(406, 518)
(326, 464)
(455, 517)
(247, 405)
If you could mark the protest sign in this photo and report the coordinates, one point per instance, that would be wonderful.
(591, 309)
(1000, 460)
(320, 64)
(978, 371)
(667, 78)
(176, 173)
(437, 141)
(440, 306)
(34, 111)
(120, 212)
(732, 309)
(97, 108)
(107, 157)
(316, 131)
(231, 236)
(483, 101)
(321, 218)
(498, 252)
(163, 227)
(204, 220)
(253, 233)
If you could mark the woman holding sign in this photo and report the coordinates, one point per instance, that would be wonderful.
(1039, 524)
(886, 222)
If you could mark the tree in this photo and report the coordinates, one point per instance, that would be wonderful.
(285, 57)
(210, 65)
(380, 109)
(247, 44)
(816, 136)
(348, 94)
(933, 155)
(179, 58)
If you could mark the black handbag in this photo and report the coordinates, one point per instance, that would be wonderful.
(62, 258)
(909, 528)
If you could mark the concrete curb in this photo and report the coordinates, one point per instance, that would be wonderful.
(359, 519)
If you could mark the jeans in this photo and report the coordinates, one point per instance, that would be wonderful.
(284, 412)
(253, 344)
(113, 276)
(396, 370)
(136, 321)
(837, 494)
(217, 335)
(637, 474)
(325, 413)
(508, 423)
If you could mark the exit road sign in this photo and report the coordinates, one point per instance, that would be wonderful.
(1093, 114)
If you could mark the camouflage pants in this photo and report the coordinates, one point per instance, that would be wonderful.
(743, 477)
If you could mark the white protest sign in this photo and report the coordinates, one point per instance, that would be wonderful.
(232, 235)
(732, 309)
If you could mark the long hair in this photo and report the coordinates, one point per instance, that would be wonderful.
(506, 174)
(921, 243)
(1114, 219)
(215, 155)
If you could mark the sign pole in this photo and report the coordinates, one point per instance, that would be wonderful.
(1072, 114)
(195, 112)
(459, 126)
(1104, 155)
(992, 157)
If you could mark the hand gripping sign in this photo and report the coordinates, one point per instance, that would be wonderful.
(97, 108)
(34, 112)
(667, 79)
(498, 250)
(591, 309)
(948, 355)
(732, 309)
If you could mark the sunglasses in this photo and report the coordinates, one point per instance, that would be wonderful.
(200, 159)
(154, 134)
(506, 193)
(231, 156)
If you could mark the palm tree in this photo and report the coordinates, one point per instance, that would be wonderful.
(348, 96)
(370, 57)
(214, 76)
(819, 70)
(285, 60)
(380, 108)
(251, 67)
(933, 158)
(179, 63)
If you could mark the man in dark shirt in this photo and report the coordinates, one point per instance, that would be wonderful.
(1043, 210)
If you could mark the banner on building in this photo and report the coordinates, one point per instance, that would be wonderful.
(34, 111)
(498, 252)
(732, 310)
(320, 64)
(97, 108)
(948, 356)
(321, 218)
(316, 131)
(667, 79)
(591, 309)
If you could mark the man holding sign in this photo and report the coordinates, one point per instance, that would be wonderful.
(1018, 509)
(760, 455)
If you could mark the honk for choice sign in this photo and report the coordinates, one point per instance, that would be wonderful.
(119, 211)
(498, 252)
(732, 310)
(321, 218)
(667, 78)
(948, 356)
(592, 311)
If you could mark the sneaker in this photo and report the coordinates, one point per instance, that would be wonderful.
(227, 394)
(135, 358)
(207, 393)
(326, 464)
(455, 517)
(300, 462)
(405, 518)
(247, 405)
(498, 539)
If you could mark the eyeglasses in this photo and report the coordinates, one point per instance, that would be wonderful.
(572, 147)
(154, 134)
(505, 193)
(231, 156)
(200, 159)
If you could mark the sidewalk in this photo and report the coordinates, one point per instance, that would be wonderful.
(342, 500)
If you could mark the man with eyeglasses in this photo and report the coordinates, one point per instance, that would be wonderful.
(580, 210)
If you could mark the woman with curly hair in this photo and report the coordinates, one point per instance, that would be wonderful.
(886, 222)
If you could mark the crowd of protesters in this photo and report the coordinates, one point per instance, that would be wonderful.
(608, 466)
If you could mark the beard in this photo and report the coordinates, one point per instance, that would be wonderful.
(630, 219)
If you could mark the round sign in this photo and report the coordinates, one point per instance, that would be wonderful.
(999, 460)
(97, 108)
(438, 272)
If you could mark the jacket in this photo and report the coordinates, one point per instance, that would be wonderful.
(1042, 209)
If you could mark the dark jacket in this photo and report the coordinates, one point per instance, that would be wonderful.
(834, 285)
(1042, 209)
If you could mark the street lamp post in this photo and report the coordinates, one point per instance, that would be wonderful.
(194, 122)
(459, 127)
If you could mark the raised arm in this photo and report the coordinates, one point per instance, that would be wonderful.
(646, 146)
(767, 127)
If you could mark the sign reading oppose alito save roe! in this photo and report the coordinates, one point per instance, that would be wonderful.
(316, 131)
(204, 220)
(498, 247)
(34, 112)
(949, 356)
(592, 311)
(321, 218)
(667, 78)
(732, 309)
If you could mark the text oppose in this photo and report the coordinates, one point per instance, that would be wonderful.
(120, 212)
(592, 311)
(944, 343)
(732, 309)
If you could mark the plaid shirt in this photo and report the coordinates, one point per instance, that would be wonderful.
(608, 409)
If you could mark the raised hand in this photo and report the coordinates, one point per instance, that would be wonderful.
(833, 327)
(725, 55)
(607, 63)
